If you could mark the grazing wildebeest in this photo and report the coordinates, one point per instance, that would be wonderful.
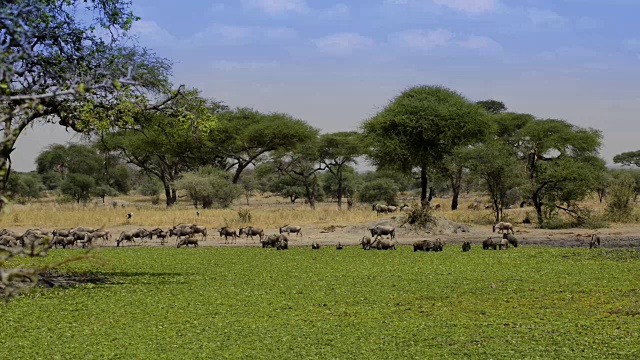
(291, 229)
(315, 246)
(502, 226)
(422, 245)
(382, 230)
(438, 245)
(226, 232)
(384, 244)
(270, 241)
(251, 231)
(366, 242)
(503, 243)
(379, 208)
(466, 246)
(512, 239)
(282, 243)
(595, 241)
(489, 243)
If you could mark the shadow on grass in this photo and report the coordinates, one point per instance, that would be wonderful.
(51, 278)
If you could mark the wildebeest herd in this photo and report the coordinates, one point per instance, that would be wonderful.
(382, 237)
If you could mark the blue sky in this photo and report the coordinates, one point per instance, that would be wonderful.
(335, 64)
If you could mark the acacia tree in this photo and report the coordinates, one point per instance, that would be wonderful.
(337, 152)
(497, 165)
(56, 67)
(168, 142)
(562, 165)
(245, 135)
(420, 126)
(302, 165)
(492, 106)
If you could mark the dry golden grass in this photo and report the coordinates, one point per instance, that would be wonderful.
(266, 212)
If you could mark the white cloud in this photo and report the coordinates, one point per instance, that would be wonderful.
(343, 43)
(469, 6)
(277, 6)
(546, 17)
(281, 33)
(424, 39)
(479, 42)
(149, 32)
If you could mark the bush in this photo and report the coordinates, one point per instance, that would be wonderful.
(151, 187)
(209, 187)
(420, 218)
(380, 190)
(620, 194)
(78, 186)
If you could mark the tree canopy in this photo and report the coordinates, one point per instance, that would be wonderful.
(422, 125)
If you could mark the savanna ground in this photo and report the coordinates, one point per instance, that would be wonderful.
(239, 301)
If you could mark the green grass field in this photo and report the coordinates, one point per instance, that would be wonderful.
(210, 303)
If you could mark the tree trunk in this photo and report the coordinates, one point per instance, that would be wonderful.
(236, 176)
(207, 203)
(537, 204)
(424, 183)
(456, 182)
(339, 189)
(169, 193)
(431, 192)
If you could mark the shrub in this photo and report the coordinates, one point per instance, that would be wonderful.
(420, 218)
(620, 194)
(78, 186)
(209, 187)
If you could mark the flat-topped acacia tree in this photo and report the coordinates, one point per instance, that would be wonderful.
(420, 126)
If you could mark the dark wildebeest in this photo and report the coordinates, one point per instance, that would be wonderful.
(379, 208)
(466, 246)
(339, 246)
(125, 236)
(382, 230)
(366, 242)
(503, 244)
(270, 241)
(422, 245)
(251, 231)
(226, 232)
(315, 246)
(282, 243)
(181, 232)
(200, 230)
(291, 229)
(489, 243)
(188, 241)
(511, 239)
(384, 244)
(502, 226)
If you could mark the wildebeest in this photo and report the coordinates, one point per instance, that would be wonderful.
(595, 241)
(489, 243)
(251, 231)
(102, 234)
(366, 242)
(466, 246)
(83, 229)
(339, 246)
(188, 241)
(125, 236)
(282, 243)
(270, 241)
(200, 230)
(291, 229)
(503, 244)
(502, 226)
(181, 232)
(226, 232)
(379, 208)
(315, 246)
(438, 245)
(384, 244)
(422, 245)
(405, 208)
(512, 239)
(382, 230)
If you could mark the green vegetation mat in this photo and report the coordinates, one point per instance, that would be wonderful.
(210, 303)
